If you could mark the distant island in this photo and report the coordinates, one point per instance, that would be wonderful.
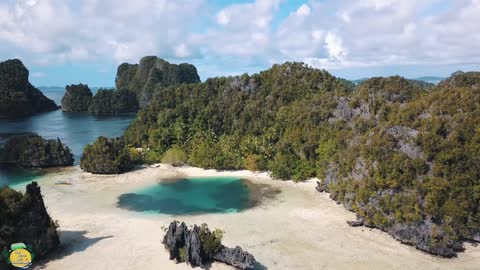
(151, 75)
(33, 151)
(135, 86)
(18, 98)
(79, 98)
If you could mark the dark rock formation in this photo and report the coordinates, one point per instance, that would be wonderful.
(17, 96)
(319, 187)
(77, 98)
(195, 255)
(106, 156)
(24, 218)
(174, 240)
(198, 246)
(235, 257)
(355, 223)
(32, 151)
(113, 102)
(151, 75)
(422, 236)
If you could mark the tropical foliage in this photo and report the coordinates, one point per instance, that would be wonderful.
(403, 155)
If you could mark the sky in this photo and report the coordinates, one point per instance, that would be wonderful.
(71, 41)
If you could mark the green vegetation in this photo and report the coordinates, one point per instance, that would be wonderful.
(152, 75)
(19, 98)
(403, 155)
(33, 151)
(77, 98)
(107, 156)
(113, 102)
(221, 122)
(175, 156)
(211, 241)
(24, 218)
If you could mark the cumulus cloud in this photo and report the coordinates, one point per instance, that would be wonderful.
(384, 32)
(57, 31)
(330, 34)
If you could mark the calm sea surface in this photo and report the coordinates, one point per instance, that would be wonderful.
(74, 129)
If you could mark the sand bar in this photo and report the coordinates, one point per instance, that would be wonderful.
(297, 229)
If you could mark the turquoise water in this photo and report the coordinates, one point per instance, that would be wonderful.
(74, 129)
(190, 196)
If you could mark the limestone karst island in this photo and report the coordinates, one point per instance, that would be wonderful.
(239, 134)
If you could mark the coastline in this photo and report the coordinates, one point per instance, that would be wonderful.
(299, 228)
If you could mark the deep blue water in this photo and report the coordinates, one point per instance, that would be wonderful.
(190, 196)
(74, 129)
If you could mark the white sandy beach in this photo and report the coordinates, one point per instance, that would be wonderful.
(299, 229)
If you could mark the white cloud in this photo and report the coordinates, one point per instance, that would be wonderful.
(182, 51)
(303, 10)
(327, 33)
(57, 31)
(222, 18)
(245, 30)
(383, 32)
(334, 46)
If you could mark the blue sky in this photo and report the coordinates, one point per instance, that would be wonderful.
(72, 41)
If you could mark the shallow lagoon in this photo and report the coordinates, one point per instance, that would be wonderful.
(192, 195)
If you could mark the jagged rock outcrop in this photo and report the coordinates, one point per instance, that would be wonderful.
(319, 187)
(235, 257)
(343, 111)
(355, 223)
(330, 177)
(404, 138)
(106, 156)
(33, 151)
(198, 246)
(77, 98)
(113, 102)
(24, 218)
(17, 96)
(422, 236)
(153, 74)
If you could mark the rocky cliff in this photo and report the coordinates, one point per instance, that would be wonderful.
(199, 246)
(407, 166)
(151, 75)
(24, 218)
(33, 151)
(17, 96)
(77, 98)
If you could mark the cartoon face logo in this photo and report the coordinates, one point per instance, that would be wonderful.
(20, 256)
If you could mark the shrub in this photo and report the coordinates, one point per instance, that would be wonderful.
(175, 156)
(106, 156)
